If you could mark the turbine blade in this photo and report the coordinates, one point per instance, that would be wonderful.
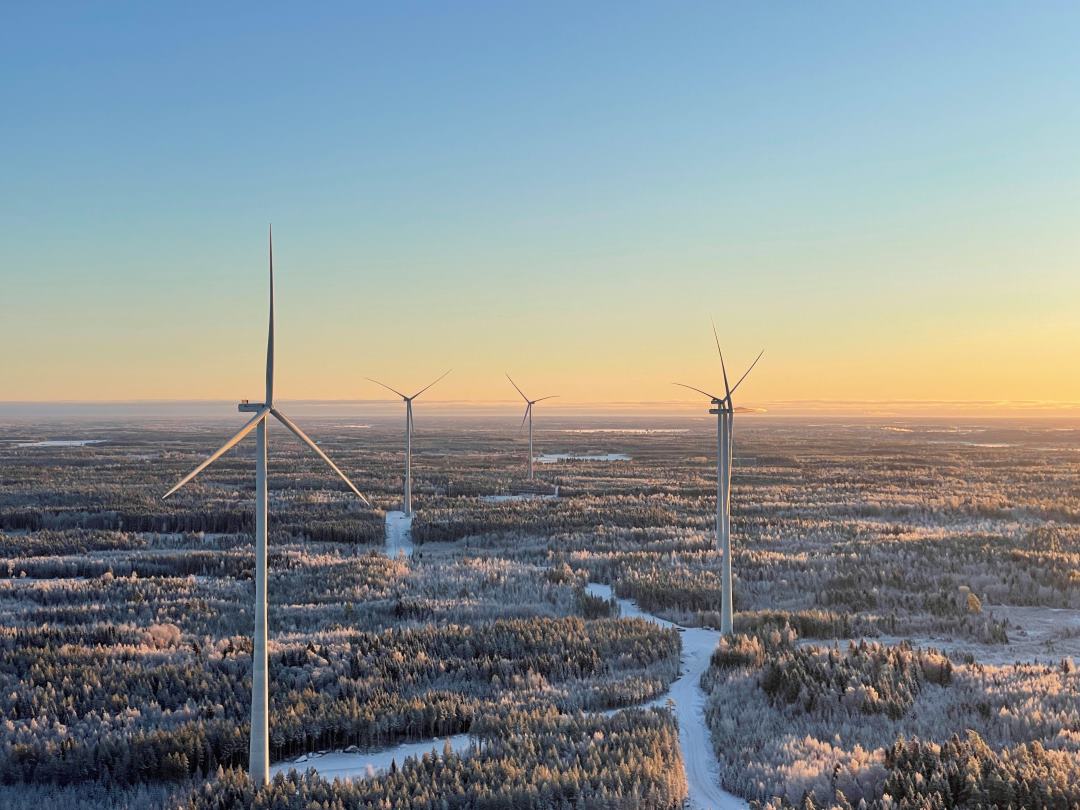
(244, 431)
(387, 387)
(518, 389)
(743, 377)
(722, 366)
(426, 387)
(553, 396)
(304, 438)
(270, 333)
(526, 416)
(706, 393)
(412, 424)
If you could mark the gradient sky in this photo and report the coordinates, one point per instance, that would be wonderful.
(886, 197)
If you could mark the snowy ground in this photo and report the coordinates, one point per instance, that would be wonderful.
(363, 765)
(524, 496)
(552, 458)
(702, 771)
(63, 443)
(398, 535)
(687, 697)
(1038, 632)
(1035, 634)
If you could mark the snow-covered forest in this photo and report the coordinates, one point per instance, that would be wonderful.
(908, 603)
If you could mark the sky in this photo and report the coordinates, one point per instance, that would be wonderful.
(884, 197)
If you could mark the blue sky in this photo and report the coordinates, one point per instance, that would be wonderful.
(879, 194)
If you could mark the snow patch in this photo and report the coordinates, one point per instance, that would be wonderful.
(398, 535)
(364, 765)
(63, 443)
(523, 496)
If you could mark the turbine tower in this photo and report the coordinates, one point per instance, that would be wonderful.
(725, 412)
(259, 759)
(528, 415)
(408, 436)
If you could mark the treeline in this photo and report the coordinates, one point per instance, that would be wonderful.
(472, 517)
(966, 772)
(74, 541)
(809, 726)
(91, 796)
(157, 707)
(357, 526)
(963, 772)
(542, 761)
(870, 678)
(685, 588)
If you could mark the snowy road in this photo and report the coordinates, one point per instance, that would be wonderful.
(398, 535)
(699, 759)
(688, 699)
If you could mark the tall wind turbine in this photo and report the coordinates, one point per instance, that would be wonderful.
(259, 759)
(725, 412)
(528, 415)
(408, 436)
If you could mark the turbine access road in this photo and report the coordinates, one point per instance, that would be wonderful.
(702, 772)
(699, 759)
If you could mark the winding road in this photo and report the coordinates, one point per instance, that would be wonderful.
(684, 693)
(702, 774)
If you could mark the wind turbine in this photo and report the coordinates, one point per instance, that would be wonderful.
(408, 436)
(725, 412)
(528, 415)
(259, 759)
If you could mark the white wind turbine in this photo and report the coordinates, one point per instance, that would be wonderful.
(408, 436)
(528, 415)
(259, 759)
(725, 412)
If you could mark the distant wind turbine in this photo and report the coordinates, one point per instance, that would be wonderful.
(408, 436)
(528, 415)
(259, 759)
(724, 422)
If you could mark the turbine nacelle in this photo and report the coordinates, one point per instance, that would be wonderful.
(724, 403)
(266, 409)
(408, 433)
(405, 397)
(528, 402)
(528, 417)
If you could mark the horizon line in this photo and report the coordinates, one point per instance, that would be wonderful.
(816, 408)
(562, 403)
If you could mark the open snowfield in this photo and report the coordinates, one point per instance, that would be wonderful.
(1040, 634)
(62, 443)
(398, 535)
(363, 765)
(524, 496)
